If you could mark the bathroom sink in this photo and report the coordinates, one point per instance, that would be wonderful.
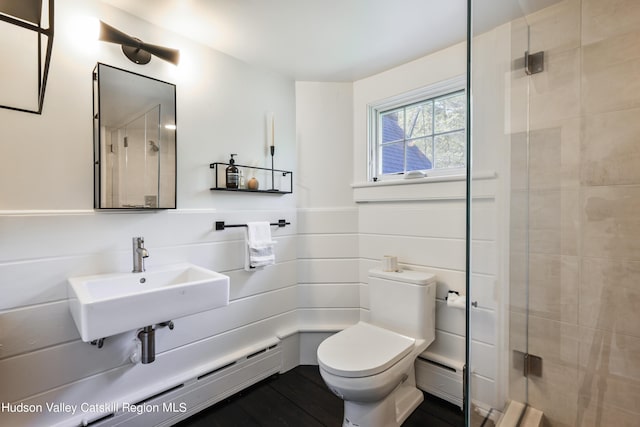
(108, 304)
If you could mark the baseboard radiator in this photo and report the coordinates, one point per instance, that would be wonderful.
(180, 401)
(441, 377)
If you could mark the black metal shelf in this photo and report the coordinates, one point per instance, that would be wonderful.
(246, 190)
(220, 166)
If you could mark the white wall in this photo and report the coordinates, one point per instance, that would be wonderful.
(48, 230)
(324, 131)
(424, 223)
(439, 66)
(222, 108)
(328, 259)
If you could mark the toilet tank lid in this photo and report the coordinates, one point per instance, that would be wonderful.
(407, 276)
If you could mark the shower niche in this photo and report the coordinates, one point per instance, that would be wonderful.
(134, 124)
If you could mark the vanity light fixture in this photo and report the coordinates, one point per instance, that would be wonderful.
(135, 49)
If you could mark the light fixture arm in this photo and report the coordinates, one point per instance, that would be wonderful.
(113, 35)
(135, 49)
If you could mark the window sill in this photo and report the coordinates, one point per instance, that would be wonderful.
(443, 187)
(401, 181)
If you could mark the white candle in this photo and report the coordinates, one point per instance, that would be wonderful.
(273, 131)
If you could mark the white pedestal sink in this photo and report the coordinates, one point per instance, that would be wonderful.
(108, 304)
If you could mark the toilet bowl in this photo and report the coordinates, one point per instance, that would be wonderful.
(376, 379)
(370, 365)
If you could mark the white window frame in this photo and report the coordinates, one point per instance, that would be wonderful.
(435, 90)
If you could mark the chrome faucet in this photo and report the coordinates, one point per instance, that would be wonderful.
(139, 254)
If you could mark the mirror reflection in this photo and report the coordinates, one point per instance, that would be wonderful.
(134, 141)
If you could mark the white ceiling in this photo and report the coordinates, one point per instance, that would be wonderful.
(325, 40)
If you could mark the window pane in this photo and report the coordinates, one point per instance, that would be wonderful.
(392, 126)
(419, 154)
(419, 121)
(393, 158)
(450, 150)
(424, 135)
(449, 113)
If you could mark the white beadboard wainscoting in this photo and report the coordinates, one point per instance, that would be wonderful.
(427, 233)
(328, 275)
(43, 360)
(275, 320)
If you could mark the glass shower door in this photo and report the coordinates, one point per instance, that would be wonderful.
(554, 254)
(498, 213)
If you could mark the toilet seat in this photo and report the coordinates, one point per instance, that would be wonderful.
(363, 350)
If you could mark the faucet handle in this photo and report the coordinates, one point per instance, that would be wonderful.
(139, 254)
(168, 323)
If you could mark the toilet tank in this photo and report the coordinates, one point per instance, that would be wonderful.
(403, 302)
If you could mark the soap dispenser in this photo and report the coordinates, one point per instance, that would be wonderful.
(233, 176)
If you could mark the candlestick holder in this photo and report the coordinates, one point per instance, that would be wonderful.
(273, 181)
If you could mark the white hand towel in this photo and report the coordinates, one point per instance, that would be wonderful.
(259, 252)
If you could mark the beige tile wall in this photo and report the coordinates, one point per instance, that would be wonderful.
(583, 214)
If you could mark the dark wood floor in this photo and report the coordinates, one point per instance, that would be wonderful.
(300, 398)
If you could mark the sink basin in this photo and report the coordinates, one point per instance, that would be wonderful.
(108, 304)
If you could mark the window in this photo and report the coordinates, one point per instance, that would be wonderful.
(422, 131)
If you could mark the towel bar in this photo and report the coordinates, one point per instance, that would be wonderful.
(220, 225)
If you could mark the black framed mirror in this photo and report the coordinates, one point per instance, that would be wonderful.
(134, 126)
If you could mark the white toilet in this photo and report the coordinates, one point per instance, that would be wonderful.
(371, 364)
